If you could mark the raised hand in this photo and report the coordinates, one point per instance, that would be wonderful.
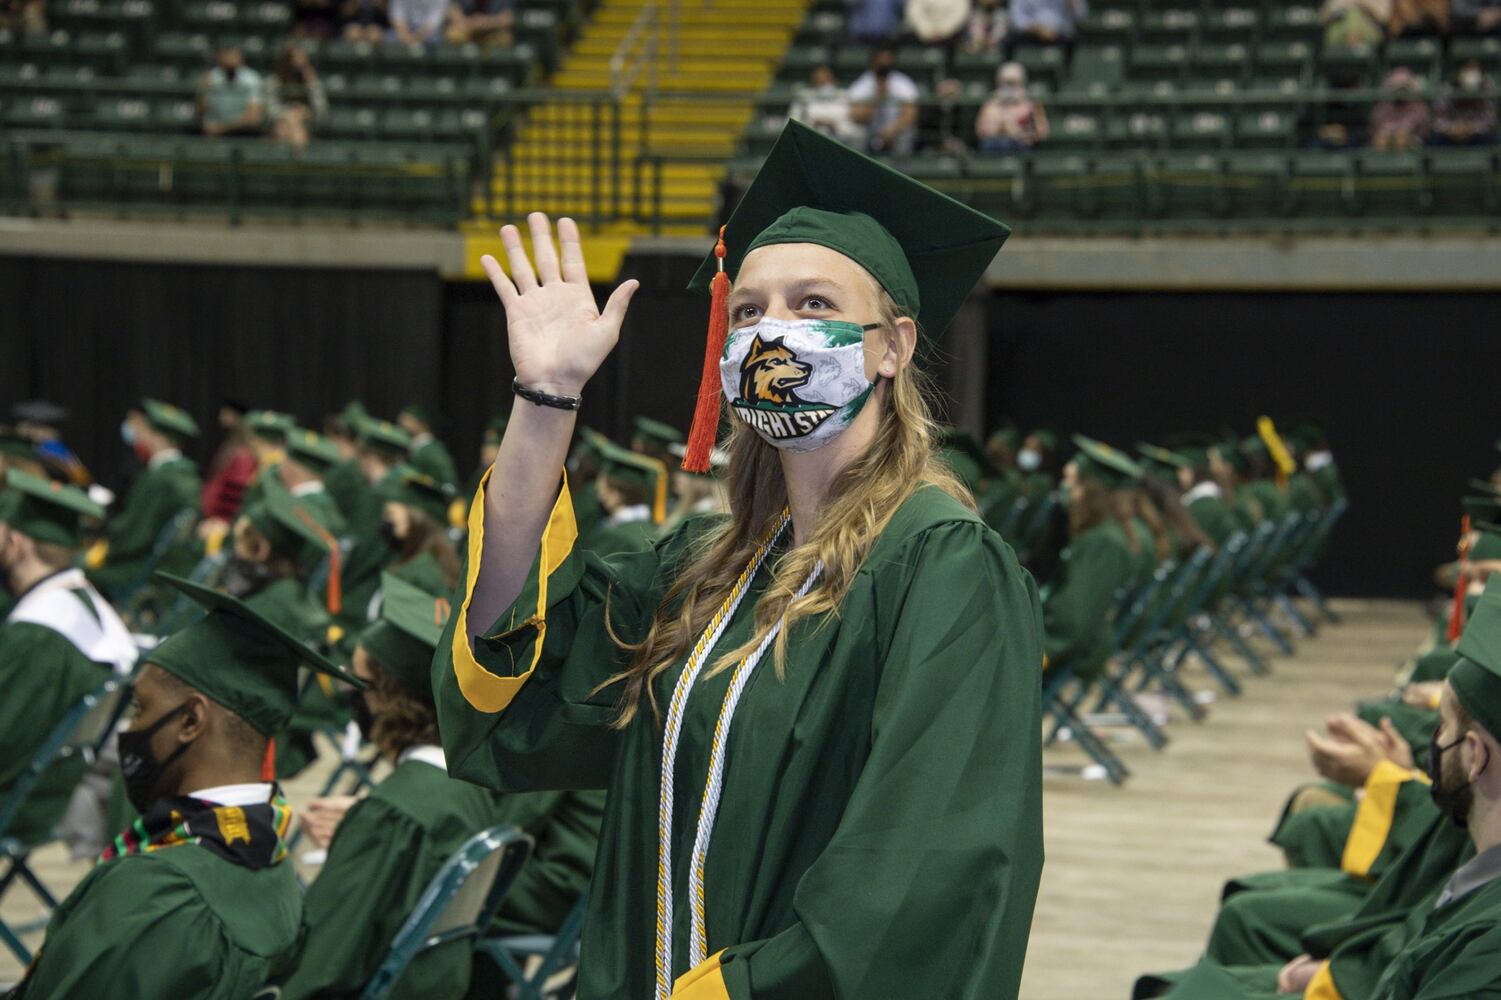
(557, 334)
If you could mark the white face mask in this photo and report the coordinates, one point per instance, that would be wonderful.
(1028, 460)
(798, 383)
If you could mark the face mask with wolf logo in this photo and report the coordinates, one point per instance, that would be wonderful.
(798, 383)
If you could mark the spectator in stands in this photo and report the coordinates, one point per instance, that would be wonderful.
(418, 22)
(489, 23)
(1418, 17)
(935, 22)
(364, 20)
(1476, 17)
(1466, 111)
(1010, 121)
(295, 100)
(884, 100)
(986, 29)
(1403, 120)
(941, 120)
(1340, 123)
(316, 19)
(822, 104)
(231, 99)
(1354, 23)
(1051, 22)
(27, 17)
(874, 20)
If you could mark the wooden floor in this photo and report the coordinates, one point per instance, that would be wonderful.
(1133, 873)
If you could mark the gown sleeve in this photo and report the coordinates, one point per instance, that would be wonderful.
(135, 529)
(378, 866)
(520, 706)
(134, 928)
(1078, 607)
(927, 886)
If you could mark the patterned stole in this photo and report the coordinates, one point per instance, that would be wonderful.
(250, 836)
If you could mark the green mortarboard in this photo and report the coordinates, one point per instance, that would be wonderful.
(423, 492)
(1163, 456)
(287, 524)
(239, 658)
(965, 456)
(926, 249)
(719, 460)
(592, 441)
(46, 510)
(1048, 438)
(1487, 508)
(1111, 467)
(419, 411)
(353, 415)
(1254, 447)
(623, 463)
(1484, 486)
(16, 445)
(169, 419)
(496, 429)
(656, 432)
(1232, 455)
(313, 450)
(410, 626)
(1476, 678)
(1008, 434)
(270, 425)
(384, 436)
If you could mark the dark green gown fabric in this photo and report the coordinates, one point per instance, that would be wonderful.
(1076, 614)
(1214, 518)
(1261, 925)
(609, 539)
(880, 829)
(431, 458)
(42, 676)
(391, 844)
(1454, 952)
(179, 922)
(346, 484)
(424, 572)
(369, 555)
(153, 500)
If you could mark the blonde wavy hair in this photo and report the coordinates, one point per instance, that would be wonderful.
(861, 501)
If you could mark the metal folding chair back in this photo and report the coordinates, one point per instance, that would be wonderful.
(556, 952)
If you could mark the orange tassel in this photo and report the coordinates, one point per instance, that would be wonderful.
(706, 413)
(335, 600)
(268, 762)
(1461, 586)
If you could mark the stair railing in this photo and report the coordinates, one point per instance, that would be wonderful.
(638, 50)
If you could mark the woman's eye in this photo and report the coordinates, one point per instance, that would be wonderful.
(745, 312)
(816, 303)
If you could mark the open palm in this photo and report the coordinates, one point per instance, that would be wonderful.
(557, 334)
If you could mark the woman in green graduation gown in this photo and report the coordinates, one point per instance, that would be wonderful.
(817, 717)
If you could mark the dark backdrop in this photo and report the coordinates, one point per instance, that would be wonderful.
(1403, 381)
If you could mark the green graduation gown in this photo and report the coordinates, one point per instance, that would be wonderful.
(159, 494)
(610, 537)
(346, 485)
(879, 832)
(1453, 953)
(431, 458)
(1076, 615)
(369, 555)
(1303, 493)
(1213, 516)
(42, 676)
(286, 602)
(424, 572)
(179, 922)
(566, 828)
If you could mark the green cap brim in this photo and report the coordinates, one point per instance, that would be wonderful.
(45, 509)
(1106, 464)
(1476, 678)
(408, 632)
(925, 248)
(169, 419)
(311, 449)
(658, 432)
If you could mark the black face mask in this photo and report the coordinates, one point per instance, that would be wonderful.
(244, 578)
(359, 711)
(1452, 802)
(138, 764)
(389, 536)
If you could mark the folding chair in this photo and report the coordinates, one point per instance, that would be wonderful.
(458, 904)
(556, 951)
(1055, 680)
(1140, 650)
(78, 736)
(134, 598)
(1310, 553)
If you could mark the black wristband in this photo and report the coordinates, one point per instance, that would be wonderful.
(545, 398)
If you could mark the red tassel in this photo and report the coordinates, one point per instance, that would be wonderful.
(706, 413)
(1461, 586)
(268, 762)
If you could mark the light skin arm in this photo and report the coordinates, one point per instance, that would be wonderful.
(903, 121)
(558, 338)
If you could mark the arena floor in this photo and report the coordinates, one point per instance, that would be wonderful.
(1133, 873)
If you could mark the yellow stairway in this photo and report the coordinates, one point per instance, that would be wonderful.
(561, 162)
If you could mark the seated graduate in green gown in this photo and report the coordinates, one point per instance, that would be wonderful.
(428, 455)
(817, 717)
(414, 524)
(1100, 560)
(381, 452)
(386, 847)
(59, 641)
(345, 480)
(632, 489)
(166, 486)
(196, 898)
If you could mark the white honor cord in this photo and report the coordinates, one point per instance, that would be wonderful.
(698, 937)
(672, 728)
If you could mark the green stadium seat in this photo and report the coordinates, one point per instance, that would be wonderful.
(996, 184)
(1108, 26)
(1255, 184)
(258, 51)
(1284, 59)
(761, 134)
(274, 20)
(1266, 130)
(1230, 25)
(776, 99)
(1201, 130)
(1463, 182)
(1221, 62)
(267, 174)
(1390, 183)
(105, 51)
(431, 89)
(212, 17)
(176, 116)
(1486, 49)
(1105, 64)
(408, 60)
(1421, 55)
(373, 88)
(1139, 130)
(69, 78)
(488, 93)
(1292, 24)
(517, 64)
(924, 63)
(203, 173)
(346, 57)
(1168, 27)
(543, 32)
(187, 52)
(822, 28)
(1158, 62)
(1075, 131)
(851, 60)
(126, 114)
(1321, 185)
(1185, 186)
(1115, 183)
(1211, 95)
(1044, 63)
(801, 60)
(350, 123)
(88, 171)
(976, 67)
(35, 113)
(1360, 62)
(1057, 187)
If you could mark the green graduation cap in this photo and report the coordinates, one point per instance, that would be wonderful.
(1007, 434)
(1476, 677)
(1253, 447)
(271, 425)
(46, 510)
(423, 492)
(288, 525)
(405, 636)
(422, 413)
(1486, 508)
(353, 415)
(1111, 467)
(622, 463)
(657, 433)
(1230, 451)
(169, 419)
(313, 450)
(382, 435)
(1484, 487)
(1048, 438)
(924, 248)
(16, 445)
(1163, 456)
(239, 658)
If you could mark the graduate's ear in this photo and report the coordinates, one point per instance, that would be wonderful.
(194, 718)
